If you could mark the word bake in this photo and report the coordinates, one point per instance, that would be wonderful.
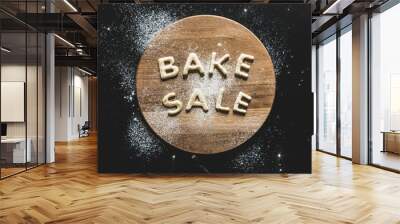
(168, 70)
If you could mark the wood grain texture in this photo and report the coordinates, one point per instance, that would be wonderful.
(197, 131)
(71, 191)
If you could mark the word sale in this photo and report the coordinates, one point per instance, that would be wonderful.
(168, 70)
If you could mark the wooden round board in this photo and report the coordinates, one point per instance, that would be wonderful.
(210, 123)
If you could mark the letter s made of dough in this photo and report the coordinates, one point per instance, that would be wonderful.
(168, 102)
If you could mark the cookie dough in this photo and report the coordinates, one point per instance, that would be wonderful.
(217, 64)
(167, 68)
(242, 69)
(197, 99)
(193, 64)
(168, 102)
(218, 105)
(239, 102)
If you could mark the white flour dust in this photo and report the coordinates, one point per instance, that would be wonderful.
(145, 145)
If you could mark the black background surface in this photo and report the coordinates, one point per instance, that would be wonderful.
(127, 144)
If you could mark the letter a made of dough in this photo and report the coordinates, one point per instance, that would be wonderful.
(197, 99)
(192, 64)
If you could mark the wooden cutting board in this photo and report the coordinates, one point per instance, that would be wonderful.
(197, 131)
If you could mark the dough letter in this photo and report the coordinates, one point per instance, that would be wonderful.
(197, 99)
(218, 64)
(169, 103)
(239, 102)
(218, 105)
(242, 69)
(167, 68)
(192, 64)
